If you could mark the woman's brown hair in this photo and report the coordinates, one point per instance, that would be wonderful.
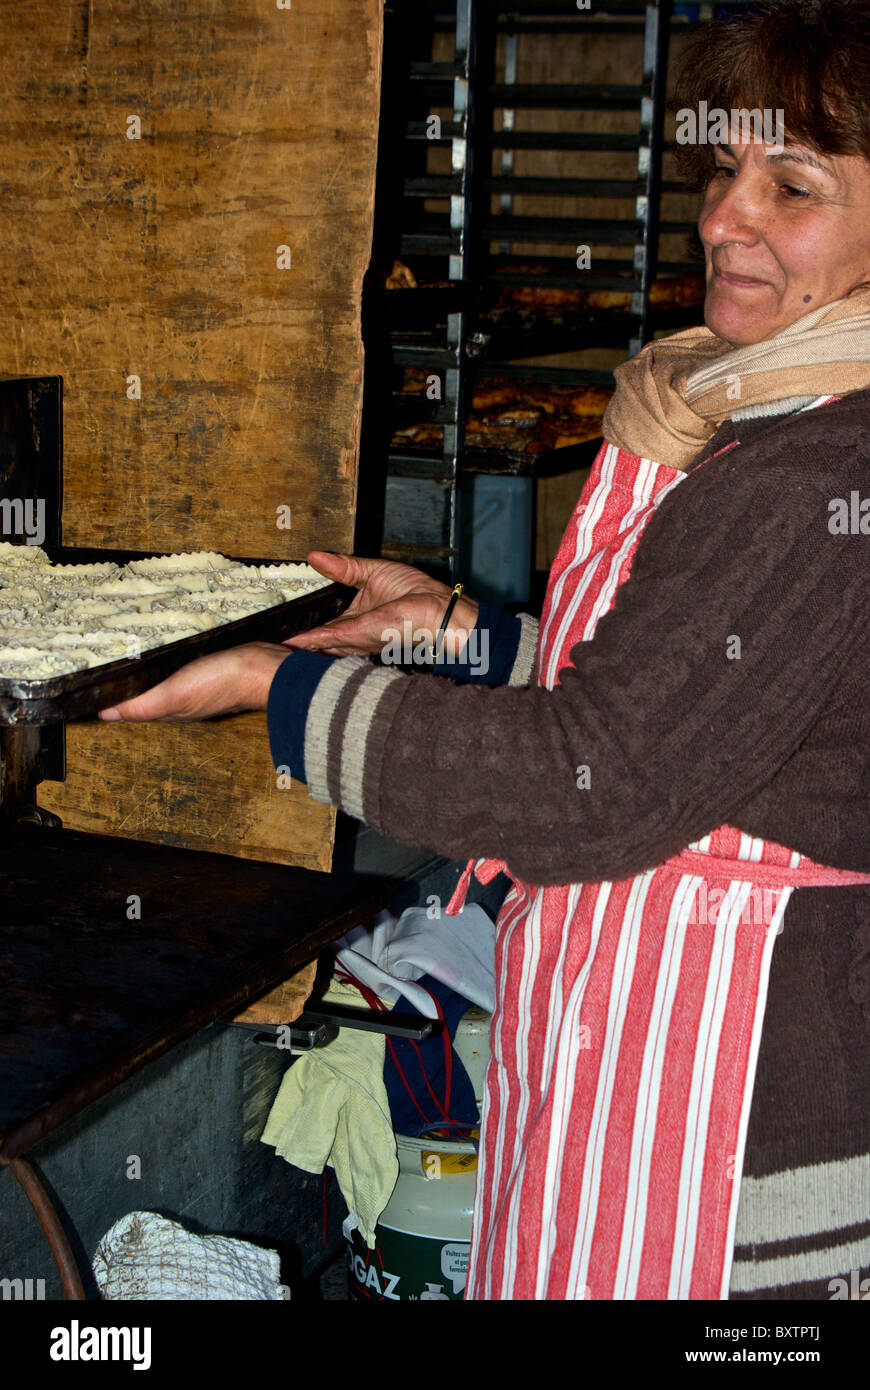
(808, 58)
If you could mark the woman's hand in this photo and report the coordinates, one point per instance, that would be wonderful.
(222, 683)
(389, 595)
(239, 679)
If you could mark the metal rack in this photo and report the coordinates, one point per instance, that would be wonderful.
(427, 328)
(650, 24)
(443, 329)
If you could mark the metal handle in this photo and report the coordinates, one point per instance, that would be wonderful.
(318, 1026)
(370, 1021)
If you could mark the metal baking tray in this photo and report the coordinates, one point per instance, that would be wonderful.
(80, 695)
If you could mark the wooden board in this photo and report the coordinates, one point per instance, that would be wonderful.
(158, 258)
(208, 786)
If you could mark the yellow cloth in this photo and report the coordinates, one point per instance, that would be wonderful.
(676, 393)
(332, 1108)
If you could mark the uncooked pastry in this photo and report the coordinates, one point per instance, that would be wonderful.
(60, 618)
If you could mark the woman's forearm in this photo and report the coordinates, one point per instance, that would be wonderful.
(654, 734)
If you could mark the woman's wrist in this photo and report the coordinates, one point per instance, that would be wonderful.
(260, 663)
(463, 620)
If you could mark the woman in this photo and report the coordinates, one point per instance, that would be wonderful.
(679, 1100)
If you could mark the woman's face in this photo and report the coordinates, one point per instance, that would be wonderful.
(783, 233)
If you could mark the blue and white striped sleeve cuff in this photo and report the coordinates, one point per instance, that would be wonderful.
(309, 687)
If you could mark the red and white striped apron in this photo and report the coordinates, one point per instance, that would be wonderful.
(628, 1015)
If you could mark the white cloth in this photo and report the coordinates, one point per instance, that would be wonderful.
(145, 1256)
(459, 951)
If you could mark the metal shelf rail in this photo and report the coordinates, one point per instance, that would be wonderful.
(651, 24)
(428, 333)
(429, 327)
(472, 243)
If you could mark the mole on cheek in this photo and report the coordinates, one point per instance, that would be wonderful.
(807, 298)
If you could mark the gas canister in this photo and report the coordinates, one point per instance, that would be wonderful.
(423, 1237)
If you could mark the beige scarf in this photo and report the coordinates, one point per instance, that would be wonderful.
(674, 395)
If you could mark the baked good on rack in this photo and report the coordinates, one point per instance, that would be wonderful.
(401, 277)
(487, 395)
(589, 400)
(674, 291)
(682, 291)
(420, 434)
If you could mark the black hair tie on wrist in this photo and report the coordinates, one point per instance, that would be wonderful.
(456, 594)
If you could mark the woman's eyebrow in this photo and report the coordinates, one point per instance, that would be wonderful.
(792, 154)
(796, 156)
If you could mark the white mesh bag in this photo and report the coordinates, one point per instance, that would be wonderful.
(146, 1256)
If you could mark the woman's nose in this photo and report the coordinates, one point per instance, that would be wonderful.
(732, 215)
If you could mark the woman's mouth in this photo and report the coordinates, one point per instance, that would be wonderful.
(739, 281)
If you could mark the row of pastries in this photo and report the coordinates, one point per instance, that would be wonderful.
(55, 619)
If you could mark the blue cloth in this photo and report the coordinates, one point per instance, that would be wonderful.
(463, 1104)
(290, 694)
(494, 646)
(492, 643)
